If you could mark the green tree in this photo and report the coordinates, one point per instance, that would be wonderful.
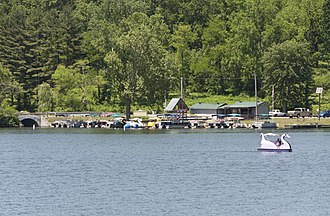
(288, 68)
(137, 64)
(207, 64)
(8, 85)
(45, 98)
(313, 13)
(182, 40)
(96, 43)
(34, 40)
(75, 87)
(325, 32)
(8, 115)
(65, 93)
(322, 79)
(115, 11)
(169, 9)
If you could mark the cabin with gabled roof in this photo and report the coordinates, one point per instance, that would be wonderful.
(177, 105)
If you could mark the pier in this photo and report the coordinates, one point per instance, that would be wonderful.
(306, 126)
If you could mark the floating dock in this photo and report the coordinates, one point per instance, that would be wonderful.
(305, 126)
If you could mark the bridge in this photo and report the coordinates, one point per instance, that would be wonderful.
(30, 120)
(40, 119)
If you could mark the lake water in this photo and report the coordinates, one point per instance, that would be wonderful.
(161, 172)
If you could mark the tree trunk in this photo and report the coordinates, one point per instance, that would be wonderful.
(128, 108)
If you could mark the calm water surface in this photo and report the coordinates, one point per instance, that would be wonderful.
(161, 172)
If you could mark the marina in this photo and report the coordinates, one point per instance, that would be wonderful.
(190, 123)
(168, 121)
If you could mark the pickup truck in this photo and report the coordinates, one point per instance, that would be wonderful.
(277, 113)
(300, 112)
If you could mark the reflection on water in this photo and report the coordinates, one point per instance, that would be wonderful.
(161, 172)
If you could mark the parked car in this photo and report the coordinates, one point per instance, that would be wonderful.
(277, 113)
(324, 114)
(300, 112)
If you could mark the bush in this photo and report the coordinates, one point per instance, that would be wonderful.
(8, 116)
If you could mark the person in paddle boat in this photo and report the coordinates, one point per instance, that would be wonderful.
(278, 142)
(274, 142)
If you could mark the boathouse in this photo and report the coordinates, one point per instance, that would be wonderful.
(207, 108)
(247, 109)
(177, 105)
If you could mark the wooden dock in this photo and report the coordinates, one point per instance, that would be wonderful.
(305, 126)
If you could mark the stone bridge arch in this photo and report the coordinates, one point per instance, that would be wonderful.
(30, 120)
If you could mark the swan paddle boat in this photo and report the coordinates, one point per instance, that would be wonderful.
(274, 143)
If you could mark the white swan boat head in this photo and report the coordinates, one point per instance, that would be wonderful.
(274, 142)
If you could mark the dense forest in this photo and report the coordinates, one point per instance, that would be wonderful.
(99, 55)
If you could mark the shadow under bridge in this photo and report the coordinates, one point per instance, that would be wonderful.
(30, 120)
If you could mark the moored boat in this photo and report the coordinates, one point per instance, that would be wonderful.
(134, 123)
(264, 124)
(176, 124)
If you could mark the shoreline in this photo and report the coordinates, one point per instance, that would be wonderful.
(281, 122)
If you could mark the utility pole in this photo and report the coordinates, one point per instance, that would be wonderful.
(165, 101)
(181, 87)
(165, 87)
(256, 94)
(273, 97)
(182, 74)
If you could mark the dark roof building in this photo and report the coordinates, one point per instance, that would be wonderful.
(247, 109)
(177, 105)
(207, 108)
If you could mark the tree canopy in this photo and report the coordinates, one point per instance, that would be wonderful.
(88, 55)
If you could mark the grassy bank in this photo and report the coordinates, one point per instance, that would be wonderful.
(194, 98)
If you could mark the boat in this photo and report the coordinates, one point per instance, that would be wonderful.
(234, 120)
(264, 124)
(218, 124)
(274, 143)
(174, 124)
(133, 123)
(118, 123)
(163, 124)
(60, 124)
